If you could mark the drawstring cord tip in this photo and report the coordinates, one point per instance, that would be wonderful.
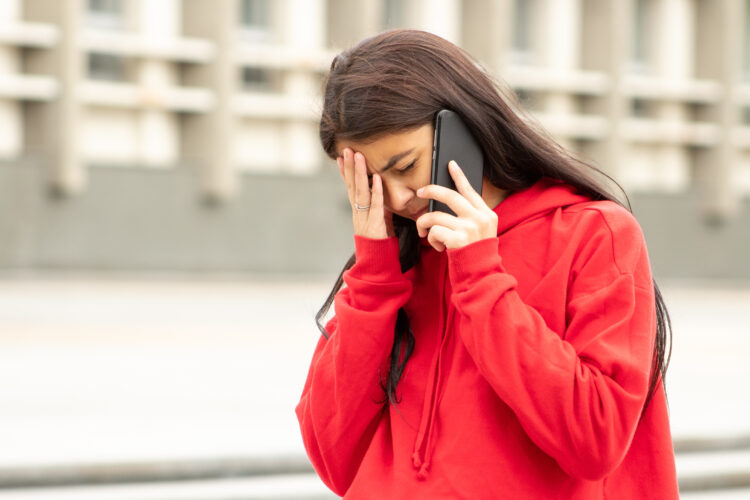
(422, 474)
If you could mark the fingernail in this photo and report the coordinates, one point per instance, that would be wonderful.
(420, 191)
(453, 164)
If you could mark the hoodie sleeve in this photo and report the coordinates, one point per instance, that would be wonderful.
(578, 394)
(339, 409)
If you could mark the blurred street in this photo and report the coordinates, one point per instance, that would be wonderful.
(100, 369)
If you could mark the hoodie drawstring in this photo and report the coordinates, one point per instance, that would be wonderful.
(429, 409)
(422, 474)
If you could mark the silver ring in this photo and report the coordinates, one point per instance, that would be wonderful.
(361, 208)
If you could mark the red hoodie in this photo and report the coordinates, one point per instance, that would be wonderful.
(529, 373)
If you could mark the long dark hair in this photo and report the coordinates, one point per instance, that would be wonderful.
(397, 81)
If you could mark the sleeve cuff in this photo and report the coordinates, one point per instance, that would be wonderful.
(469, 264)
(375, 282)
(377, 260)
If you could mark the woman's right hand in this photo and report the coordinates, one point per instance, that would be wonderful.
(369, 216)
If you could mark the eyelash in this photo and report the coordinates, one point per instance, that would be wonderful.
(408, 167)
(402, 171)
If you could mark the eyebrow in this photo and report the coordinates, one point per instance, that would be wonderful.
(395, 158)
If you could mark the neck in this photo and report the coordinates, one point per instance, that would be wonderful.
(492, 195)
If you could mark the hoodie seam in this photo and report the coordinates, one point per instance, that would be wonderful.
(611, 237)
(611, 234)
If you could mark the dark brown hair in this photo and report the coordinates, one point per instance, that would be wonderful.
(397, 81)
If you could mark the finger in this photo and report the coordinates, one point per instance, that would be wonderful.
(376, 200)
(361, 184)
(348, 167)
(464, 186)
(453, 199)
(426, 221)
(437, 237)
(340, 163)
(388, 216)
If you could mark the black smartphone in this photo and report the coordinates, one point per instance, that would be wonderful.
(454, 141)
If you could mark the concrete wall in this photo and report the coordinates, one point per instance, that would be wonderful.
(143, 219)
(156, 220)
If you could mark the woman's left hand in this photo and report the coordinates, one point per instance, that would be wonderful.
(473, 221)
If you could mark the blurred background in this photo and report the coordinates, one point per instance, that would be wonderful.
(169, 224)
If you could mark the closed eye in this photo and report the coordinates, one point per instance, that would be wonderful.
(408, 167)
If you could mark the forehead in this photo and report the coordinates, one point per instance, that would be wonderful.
(382, 147)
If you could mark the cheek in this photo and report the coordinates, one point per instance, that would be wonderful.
(424, 176)
(387, 190)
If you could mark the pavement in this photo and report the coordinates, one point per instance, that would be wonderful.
(124, 368)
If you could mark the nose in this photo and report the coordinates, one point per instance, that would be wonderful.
(397, 196)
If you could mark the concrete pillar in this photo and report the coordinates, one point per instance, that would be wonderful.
(158, 129)
(561, 45)
(561, 34)
(674, 57)
(160, 19)
(610, 24)
(720, 58)
(486, 31)
(209, 138)
(11, 116)
(10, 11)
(302, 27)
(59, 122)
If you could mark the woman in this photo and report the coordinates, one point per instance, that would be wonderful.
(514, 350)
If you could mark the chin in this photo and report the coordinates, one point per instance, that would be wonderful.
(417, 215)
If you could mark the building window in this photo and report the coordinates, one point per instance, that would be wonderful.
(256, 79)
(526, 99)
(523, 31)
(107, 67)
(255, 19)
(105, 14)
(640, 108)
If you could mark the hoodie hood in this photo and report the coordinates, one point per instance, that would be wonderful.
(538, 200)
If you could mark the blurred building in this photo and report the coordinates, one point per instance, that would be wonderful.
(182, 134)
(151, 84)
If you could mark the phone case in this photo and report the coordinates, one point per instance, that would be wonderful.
(454, 141)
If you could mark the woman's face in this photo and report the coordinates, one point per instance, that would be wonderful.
(404, 162)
